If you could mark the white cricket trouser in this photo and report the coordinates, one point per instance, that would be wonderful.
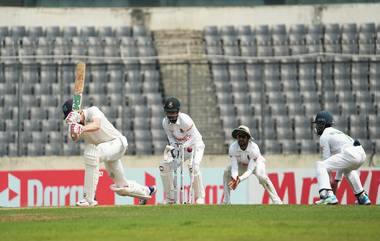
(261, 175)
(110, 153)
(166, 169)
(347, 162)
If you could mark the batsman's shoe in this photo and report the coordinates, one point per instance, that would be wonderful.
(363, 199)
(85, 203)
(152, 191)
(329, 200)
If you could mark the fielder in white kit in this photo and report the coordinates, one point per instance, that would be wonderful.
(104, 143)
(246, 159)
(340, 153)
(181, 130)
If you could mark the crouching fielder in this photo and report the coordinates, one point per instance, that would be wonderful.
(342, 154)
(104, 143)
(246, 159)
(181, 130)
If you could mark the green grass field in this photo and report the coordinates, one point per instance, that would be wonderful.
(235, 222)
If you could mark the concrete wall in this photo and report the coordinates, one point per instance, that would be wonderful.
(190, 18)
(209, 161)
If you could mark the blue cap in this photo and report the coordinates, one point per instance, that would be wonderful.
(67, 107)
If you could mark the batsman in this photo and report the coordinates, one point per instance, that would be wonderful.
(181, 131)
(103, 143)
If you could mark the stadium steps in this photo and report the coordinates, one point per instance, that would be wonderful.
(200, 103)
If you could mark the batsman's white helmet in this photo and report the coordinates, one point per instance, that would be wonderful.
(241, 129)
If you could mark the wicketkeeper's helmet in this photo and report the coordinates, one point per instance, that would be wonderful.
(171, 105)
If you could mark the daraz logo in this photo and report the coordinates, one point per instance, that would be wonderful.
(9, 191)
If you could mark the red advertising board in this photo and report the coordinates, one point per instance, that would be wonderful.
(49, 188)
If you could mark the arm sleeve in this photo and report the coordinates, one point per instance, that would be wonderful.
(254, 155)
(246, 174)
(234, 167)
(234, 164)
(190, 134)
(188, 127)
(168, 133)
(94, 112)
(325, 148)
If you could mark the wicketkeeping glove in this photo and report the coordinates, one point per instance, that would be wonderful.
(234, 183)
(76, 128)
(73, 117)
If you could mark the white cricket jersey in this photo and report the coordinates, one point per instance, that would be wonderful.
(107, 131)
(333, 141)
(183, 131)
(246, 157)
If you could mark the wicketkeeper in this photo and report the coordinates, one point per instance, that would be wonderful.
(181, 131)
(104, 143)
(246, 159)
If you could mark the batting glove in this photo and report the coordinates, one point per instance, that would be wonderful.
(73, 117)
(76, 128)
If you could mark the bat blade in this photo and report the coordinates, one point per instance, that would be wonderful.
(80, 72)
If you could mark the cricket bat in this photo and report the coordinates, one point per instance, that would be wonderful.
(80, 72)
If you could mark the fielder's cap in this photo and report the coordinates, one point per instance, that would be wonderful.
(67, 107)
(241, 129)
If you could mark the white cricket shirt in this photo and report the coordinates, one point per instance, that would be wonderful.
(247, 157)
(333, 141)
(107, 131)
(183, 131)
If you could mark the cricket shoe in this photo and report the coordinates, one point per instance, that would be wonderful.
(363, 199)
(152, 191)
(85, 203)
(329, 200)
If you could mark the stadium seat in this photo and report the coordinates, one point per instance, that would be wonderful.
(272, 147)
(139, 30)
(52, 149)
(156, 125)
(342, 123)
(309, 147)
(243, 110)
(69, 31)
(243, 30)
(11, 125)
(114, 88)
(154, 98)
(4, 31)
(52, 32)
(290, 147)
(17, 31)
(210, 30)
(123, 31)
(159, 146)
(228, 122)
(104, 31)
